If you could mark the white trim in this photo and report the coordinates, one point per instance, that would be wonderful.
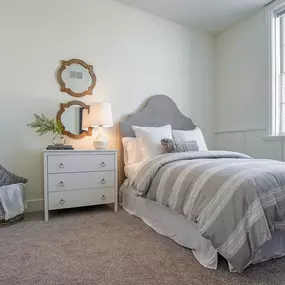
(269, 138)
(271, 11)
(271, 48)
(34, 205)
(244, 131)
(240, 131)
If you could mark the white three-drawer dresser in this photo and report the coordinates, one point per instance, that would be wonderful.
(77, 178)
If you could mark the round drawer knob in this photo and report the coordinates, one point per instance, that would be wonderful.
(103, 197)
(61, 183)
(103, 164)
(62, 202)
(61, 165)
(103, 181)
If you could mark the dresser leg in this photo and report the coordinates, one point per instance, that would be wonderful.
(46, 215)
(116, 207)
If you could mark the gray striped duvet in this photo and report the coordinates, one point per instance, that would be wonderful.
(235, 201)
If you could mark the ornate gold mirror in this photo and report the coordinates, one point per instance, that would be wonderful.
(74, 116)
(76, 78)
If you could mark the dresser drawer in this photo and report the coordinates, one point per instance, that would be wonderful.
(81, 180)
(71, 199)
(80, 163)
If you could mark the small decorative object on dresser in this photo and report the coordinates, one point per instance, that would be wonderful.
(45, 125)
(79, 178)
(59, 147)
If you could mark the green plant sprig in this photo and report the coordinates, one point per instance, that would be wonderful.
(45, 125)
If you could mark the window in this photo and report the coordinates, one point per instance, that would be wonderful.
(277, 27)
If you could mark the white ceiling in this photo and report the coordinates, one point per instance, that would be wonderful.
(213, 16)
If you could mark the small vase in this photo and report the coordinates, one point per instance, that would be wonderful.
(58, 139)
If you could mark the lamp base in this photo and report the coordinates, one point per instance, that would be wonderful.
(100, 144)
(101, 141)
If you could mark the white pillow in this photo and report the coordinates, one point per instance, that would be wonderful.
(193, 135)
(132, 151)
(150, 139)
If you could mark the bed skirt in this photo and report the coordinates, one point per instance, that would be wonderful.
(170, 224)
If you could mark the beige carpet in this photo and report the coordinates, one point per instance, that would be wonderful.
(98, 246)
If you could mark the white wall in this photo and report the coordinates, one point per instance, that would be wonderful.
(242, 89)
(134, 54)
(242, 76)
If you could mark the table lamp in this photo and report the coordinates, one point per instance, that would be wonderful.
(100, 116)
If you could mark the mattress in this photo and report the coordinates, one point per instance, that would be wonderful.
(170, 224)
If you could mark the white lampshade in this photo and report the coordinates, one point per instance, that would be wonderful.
(101, 114)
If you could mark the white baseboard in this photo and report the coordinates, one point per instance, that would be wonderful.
(34, 205)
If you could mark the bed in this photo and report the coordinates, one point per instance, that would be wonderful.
(267, 240)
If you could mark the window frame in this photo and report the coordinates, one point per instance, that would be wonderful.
(275, 112)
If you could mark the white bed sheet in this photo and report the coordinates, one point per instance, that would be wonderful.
(185, 233)
(131, 170)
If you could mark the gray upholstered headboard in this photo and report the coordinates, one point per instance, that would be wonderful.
(160, 110)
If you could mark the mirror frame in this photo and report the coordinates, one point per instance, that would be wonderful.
(63, 88)
(63, 107)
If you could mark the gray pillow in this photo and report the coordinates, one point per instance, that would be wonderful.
(8, 178)
(171, 146)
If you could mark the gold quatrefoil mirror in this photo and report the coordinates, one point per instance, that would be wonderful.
(74, 117)
(76, 78)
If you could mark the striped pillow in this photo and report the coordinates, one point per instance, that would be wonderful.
(8, 178)
(171, 146)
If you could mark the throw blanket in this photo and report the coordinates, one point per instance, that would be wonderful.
(11, 201)
(236, 201)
